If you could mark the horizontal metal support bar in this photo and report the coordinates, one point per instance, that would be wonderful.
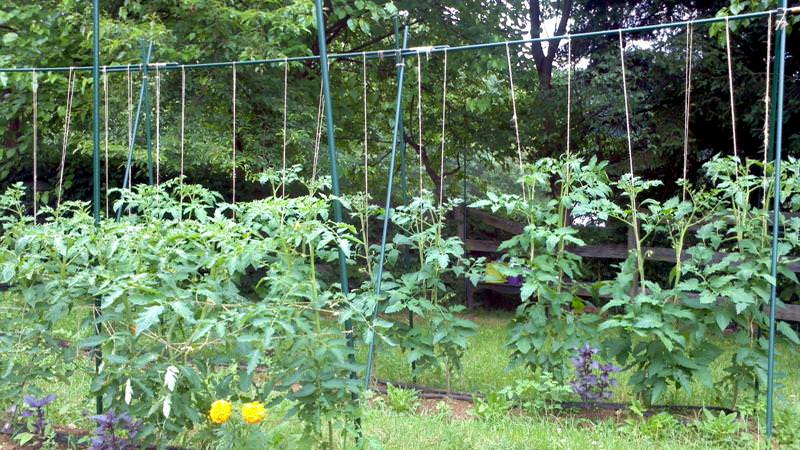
(415, 51)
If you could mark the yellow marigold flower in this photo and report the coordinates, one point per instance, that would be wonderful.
(254, 412)
(220, 411)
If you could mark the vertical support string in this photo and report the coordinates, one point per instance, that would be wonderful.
(183, 117)
(130, 120)
(514, 118)
(568, 165)
(419, 118)
(687, 104)
(627, 106)
(158, 126)
(367, 257)
(285, 123)
(65, 141)
(105, 135)
(35, 102)
(233, 136)
(569, 93)
(730, 89)
(767, 101)
(318, 134)
(444, 120)
(366, 131)
(634, 210)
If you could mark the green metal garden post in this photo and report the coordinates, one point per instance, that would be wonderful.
(398, 113)
(337, 206)
(126, 180)
(780, 55)
(403, 168)
(147, 112)
(98, 356)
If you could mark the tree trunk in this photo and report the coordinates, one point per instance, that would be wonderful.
(433, 172)
(544, 61)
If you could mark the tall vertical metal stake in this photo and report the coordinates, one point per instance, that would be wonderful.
(402, 143)
(126, 180)
(780, 55)
(398, 113)
(147, 113)
(337, 207)
(98, 357)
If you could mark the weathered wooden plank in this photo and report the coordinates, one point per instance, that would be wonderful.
(609, 251)
(477, 245)
(490, 219)
(789, 313)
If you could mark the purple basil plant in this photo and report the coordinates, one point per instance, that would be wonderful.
(515, 280)
(115, 432)
(592, 380)
(36, 407)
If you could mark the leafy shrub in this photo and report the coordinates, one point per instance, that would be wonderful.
(657, 427)
(549, 324)
(177, 325)
(657, 327)
(665, 330)
(402, 400)
(787, 425)
(421, 289)
(721, 428)
(495, 406)
(542, 392)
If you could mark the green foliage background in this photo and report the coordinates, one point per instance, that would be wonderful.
(58, 33)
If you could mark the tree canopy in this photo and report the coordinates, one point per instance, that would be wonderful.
(478, 125)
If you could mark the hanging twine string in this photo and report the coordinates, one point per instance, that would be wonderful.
(634, 211)
(158, 126)
(318, 134)
(130, 120)
(366, 166)
(687, 104)
(183, 116)
(285, 123)
(764, 180)
(444, 121)
(783, 22)
(233, 135)
(767, 100)
(65, 141)
(105, 120)
(419, 118)
(366, 129)
(35, 101)
(514, 117)
(569, 93)
(627, 106)
(730, 89)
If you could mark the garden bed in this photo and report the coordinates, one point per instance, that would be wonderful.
(588, 410)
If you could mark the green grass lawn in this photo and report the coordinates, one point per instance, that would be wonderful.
(486, 366)
(485, 370)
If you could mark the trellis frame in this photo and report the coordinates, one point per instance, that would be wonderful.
(774, 146)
